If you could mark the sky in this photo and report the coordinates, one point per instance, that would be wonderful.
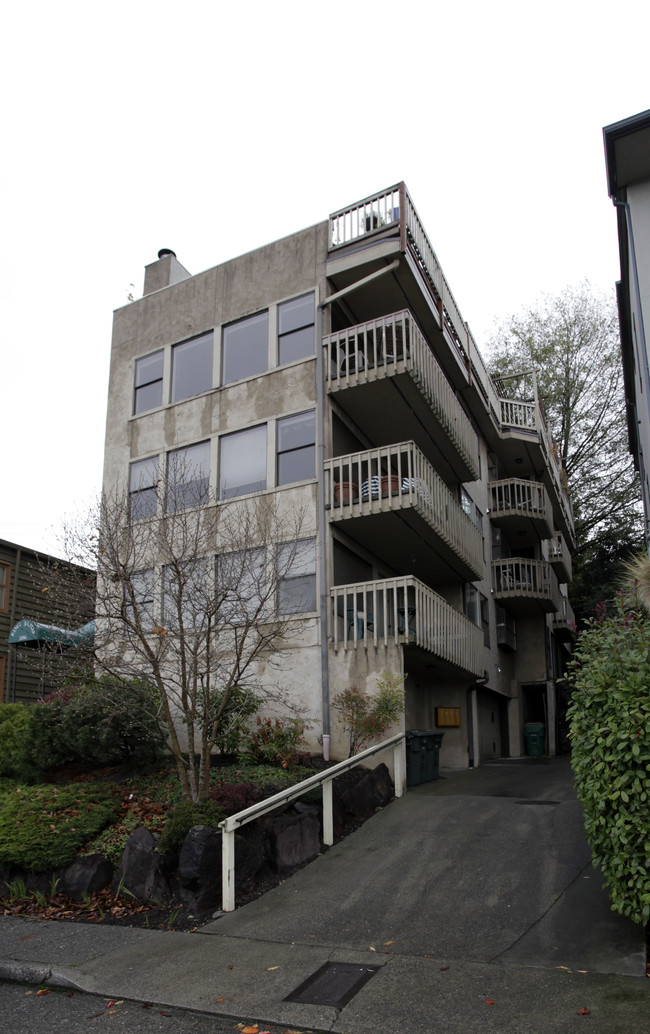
(213, 129)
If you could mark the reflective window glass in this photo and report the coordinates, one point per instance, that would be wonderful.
(148, 382)
(242, 462)
(296, 328)
(188, 477)
(245, 348)
(192, 367)
(143, 488)
(296, 448)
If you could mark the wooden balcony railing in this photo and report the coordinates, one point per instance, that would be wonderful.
(393, 345)
(559, 557)
(394, 477)
(519, 578)
(404, 611)
(515, 497)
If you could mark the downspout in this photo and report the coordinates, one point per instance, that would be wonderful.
(322, 537)
(640, 329)
(322, 517)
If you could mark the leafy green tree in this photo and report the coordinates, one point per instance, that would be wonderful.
(367, 718)
(572, 342)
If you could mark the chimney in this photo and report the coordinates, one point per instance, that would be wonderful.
(166, 271)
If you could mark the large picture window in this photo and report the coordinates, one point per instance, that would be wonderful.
(296, 328)
(143, 488)
(241, 588)
(188, 477)
(192, 367)
(148, 382)
(297, 588)
(245, 348)
(242, 462)
(296, 448)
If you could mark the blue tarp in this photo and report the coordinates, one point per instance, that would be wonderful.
(33, 633)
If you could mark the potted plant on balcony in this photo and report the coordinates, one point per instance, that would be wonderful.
(345, 492)
(390, 485)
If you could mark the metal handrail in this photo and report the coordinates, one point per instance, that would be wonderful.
(241, 818)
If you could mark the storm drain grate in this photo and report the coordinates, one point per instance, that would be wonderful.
(334, 984)
(538, 802)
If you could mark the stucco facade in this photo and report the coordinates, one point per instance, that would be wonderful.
(441, 526)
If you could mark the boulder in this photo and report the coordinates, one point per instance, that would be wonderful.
(295, 838)
(87, 874)
(200, 866)
(141, 871)
(373, 791)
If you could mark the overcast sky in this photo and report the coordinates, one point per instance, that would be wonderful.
(214, 128)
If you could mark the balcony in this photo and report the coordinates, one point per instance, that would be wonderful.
(404, 611)
(559, 557)
(523, 506)
(365, 236)
(564, 622)
(394, 503)
(526, 586)
(386, 365)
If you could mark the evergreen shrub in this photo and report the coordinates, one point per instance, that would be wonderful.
(610, 733)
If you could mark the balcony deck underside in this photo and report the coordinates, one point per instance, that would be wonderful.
(403, 288)
(407, 542)
(522, 601)
(522, 529)
(393, 406)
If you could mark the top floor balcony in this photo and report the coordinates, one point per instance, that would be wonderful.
(386, 366)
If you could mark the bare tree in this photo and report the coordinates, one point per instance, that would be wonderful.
(196, 596)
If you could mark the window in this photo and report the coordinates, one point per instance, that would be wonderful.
(245, 348)
(297, 582)
(485, 619)
(296, 448)
(471, 604)
(188, 477)
(242, 462)
(148, 382)
(143, 488)
(296, 329)
(138, 600)
(185, 593)
(5, 572)
(192, 367)
(242, 588)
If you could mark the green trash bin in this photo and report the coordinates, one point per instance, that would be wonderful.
(534, 736)
(428, 756)
(414, 758)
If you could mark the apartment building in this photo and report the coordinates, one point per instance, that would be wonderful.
(627, 157)
(332, 370)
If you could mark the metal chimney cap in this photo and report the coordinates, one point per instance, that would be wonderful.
(166, 251)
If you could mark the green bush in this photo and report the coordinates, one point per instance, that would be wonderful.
(367, 718)
(241, 705)
(43, 828)
(14, 737)
(183, 816)
(103, 723)
(610, 733)
(277, 741)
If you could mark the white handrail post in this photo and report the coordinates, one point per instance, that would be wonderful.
(328, 812)
(227, 870)
(399, 754)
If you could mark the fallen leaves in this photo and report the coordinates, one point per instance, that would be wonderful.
(490, 1001)
(584, 1011)
(42, 991)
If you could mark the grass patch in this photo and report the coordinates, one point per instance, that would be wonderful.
(45, 827)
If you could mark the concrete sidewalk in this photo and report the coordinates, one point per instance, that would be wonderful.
(474, 896)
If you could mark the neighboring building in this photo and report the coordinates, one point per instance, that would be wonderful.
(627, 156)
(333, 368)
(32, 607)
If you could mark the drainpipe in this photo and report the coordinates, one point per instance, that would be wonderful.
(322, 536)
(640, 330)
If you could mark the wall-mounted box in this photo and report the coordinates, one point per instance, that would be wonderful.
(447, 717)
